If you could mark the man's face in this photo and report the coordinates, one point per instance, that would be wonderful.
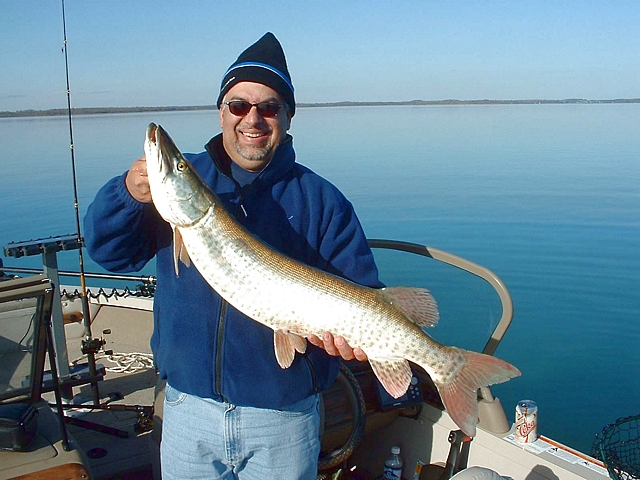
(250, 140)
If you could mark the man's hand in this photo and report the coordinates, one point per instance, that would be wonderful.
(137, 181)
(337, 347)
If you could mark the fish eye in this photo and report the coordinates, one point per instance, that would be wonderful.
(181, 166)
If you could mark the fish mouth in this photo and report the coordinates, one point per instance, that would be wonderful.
(166, 145)
(151, 133)
(167, 150)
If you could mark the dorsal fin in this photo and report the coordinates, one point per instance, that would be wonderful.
(417, 304)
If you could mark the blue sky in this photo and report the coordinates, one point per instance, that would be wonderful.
(134, 53)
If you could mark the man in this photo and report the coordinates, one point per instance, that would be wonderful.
(230, 410)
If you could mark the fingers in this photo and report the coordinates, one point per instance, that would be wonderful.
(344, 350)
(137, 181)
(330, 345)
(140, 164)
(337, 347)
(315, 340)
(360, 355)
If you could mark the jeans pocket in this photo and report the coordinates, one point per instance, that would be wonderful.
(173, 396)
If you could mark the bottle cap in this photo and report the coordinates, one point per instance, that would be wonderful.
(395, 450)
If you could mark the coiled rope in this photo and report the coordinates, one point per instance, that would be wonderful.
(124, 362)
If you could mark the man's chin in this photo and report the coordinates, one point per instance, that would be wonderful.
(254, 154)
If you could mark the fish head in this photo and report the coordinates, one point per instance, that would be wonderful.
(179, 194)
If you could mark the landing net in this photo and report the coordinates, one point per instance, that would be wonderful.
(618, 446)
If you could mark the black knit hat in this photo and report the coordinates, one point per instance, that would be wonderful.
(263, 62)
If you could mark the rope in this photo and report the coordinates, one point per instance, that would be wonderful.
(125, 362)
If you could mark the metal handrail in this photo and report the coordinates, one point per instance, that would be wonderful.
(468, 266)
(108, 276)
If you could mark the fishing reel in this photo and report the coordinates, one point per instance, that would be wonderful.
(94, 345)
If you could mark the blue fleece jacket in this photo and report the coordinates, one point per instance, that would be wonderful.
(202, 345)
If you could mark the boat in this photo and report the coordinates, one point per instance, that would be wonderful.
(99, 400)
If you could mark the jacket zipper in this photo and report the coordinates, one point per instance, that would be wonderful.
(224, 305)
(219, 345)
(313, 374)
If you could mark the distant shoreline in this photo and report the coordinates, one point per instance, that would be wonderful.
(109, 110)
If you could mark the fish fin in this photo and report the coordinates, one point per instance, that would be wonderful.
(184, 256)
(460, 395)
(417, 304)
(179, 251)
(286, 345)
(177, 246)
(394, 375)
(298, 342)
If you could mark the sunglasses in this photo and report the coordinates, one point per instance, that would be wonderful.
(265, 109)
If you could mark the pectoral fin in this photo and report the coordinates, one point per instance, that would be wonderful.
(286, 345)
(180, 253)
(394, 375)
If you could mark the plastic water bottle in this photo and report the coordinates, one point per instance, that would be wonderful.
(393, 465)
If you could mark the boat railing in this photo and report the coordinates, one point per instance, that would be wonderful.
(462, 263)
(145, 284)
(456, 261)
(459, 262)
(148, 279)
(492, 415)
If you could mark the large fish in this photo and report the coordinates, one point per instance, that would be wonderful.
(295, 299)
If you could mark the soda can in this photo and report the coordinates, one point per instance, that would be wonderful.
(526, 429)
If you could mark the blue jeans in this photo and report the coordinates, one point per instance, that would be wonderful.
(202, 438)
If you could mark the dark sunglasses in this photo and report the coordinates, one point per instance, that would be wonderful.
(266, 109)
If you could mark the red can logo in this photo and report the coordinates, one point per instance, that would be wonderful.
(526, 421)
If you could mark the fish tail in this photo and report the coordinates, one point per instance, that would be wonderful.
(460, 394)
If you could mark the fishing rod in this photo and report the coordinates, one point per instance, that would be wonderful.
(89, 345)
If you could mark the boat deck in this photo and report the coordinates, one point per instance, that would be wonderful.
(109, 454)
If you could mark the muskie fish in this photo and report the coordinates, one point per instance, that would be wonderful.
(295, 299)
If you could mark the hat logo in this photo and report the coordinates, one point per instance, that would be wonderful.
(227, 83)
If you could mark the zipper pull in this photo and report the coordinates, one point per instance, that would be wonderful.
(243, 210)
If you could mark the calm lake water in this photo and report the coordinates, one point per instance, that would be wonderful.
(546, 196)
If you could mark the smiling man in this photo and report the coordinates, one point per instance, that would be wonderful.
(254, 121)
(230, 411)
(256, 103)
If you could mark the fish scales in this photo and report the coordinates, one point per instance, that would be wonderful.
(280, 301)
(295, 299)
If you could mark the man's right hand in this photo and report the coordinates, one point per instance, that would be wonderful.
(137, 181)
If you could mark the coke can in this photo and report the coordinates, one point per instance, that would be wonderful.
(526, 421)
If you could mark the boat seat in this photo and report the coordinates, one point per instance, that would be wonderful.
(25, 328)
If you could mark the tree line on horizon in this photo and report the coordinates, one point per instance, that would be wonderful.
(110, 110)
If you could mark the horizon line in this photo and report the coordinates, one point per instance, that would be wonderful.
(346, 103)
